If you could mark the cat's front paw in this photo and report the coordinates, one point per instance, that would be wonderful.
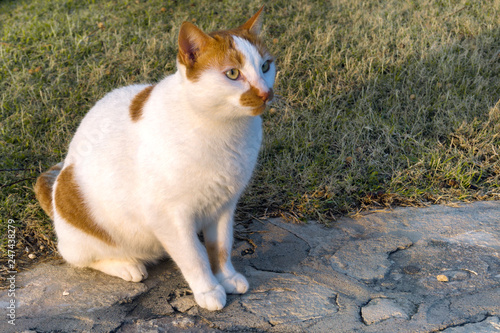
(212, 300)
(236, 284)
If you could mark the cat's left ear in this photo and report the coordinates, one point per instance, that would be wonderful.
(254, 24)
(192, 41)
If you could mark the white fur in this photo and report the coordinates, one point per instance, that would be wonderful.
(253, 65)
(153, 184)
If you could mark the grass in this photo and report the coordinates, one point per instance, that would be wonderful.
(379, 103)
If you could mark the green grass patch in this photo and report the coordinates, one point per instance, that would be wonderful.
(378, 103)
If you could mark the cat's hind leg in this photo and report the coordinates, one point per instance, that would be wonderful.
(82, 250)
(82, 240)
(127, 270)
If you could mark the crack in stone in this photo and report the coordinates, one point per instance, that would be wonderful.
(380, 309)
(287, 299)
(486, 317)
(268, 270)
(417, 308)
(124, 322)
(295, 234)
(360, 313)
(399, 249)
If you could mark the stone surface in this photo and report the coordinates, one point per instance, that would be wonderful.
(374, 273)
(183, 304)
(368, 259)
(286, 298)
(50, 290)
(380, 309)
(282, 249)
(172, 324)
(57, 296)
(477, 238)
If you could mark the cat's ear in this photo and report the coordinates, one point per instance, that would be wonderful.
(254, 24)
(192, 41)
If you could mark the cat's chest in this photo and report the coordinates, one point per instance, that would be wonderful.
(202, 167)
(214, 177)
(225, 165)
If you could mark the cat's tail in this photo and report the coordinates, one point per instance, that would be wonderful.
(43, 188)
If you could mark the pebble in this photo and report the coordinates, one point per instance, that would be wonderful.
(31, 256)
(442, 278)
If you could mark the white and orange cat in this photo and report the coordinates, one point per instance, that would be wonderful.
(151, 166)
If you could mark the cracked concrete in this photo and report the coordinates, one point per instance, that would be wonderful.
(374, 273)
(368, 260)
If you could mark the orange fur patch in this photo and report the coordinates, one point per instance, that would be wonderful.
(137, 105)
(218, 52)
(216, 257)
(71, 205)
(43, 188)
(253, 98)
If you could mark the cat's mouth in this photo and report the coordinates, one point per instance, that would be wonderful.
(257, 100)
(259, 110)
(265, 102)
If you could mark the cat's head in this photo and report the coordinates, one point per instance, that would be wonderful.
(229, 72)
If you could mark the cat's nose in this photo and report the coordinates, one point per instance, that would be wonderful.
(266, 95)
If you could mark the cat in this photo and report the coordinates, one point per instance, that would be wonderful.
(151, 166)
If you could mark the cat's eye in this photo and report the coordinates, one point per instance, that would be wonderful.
(233, 74)
(266, 66)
